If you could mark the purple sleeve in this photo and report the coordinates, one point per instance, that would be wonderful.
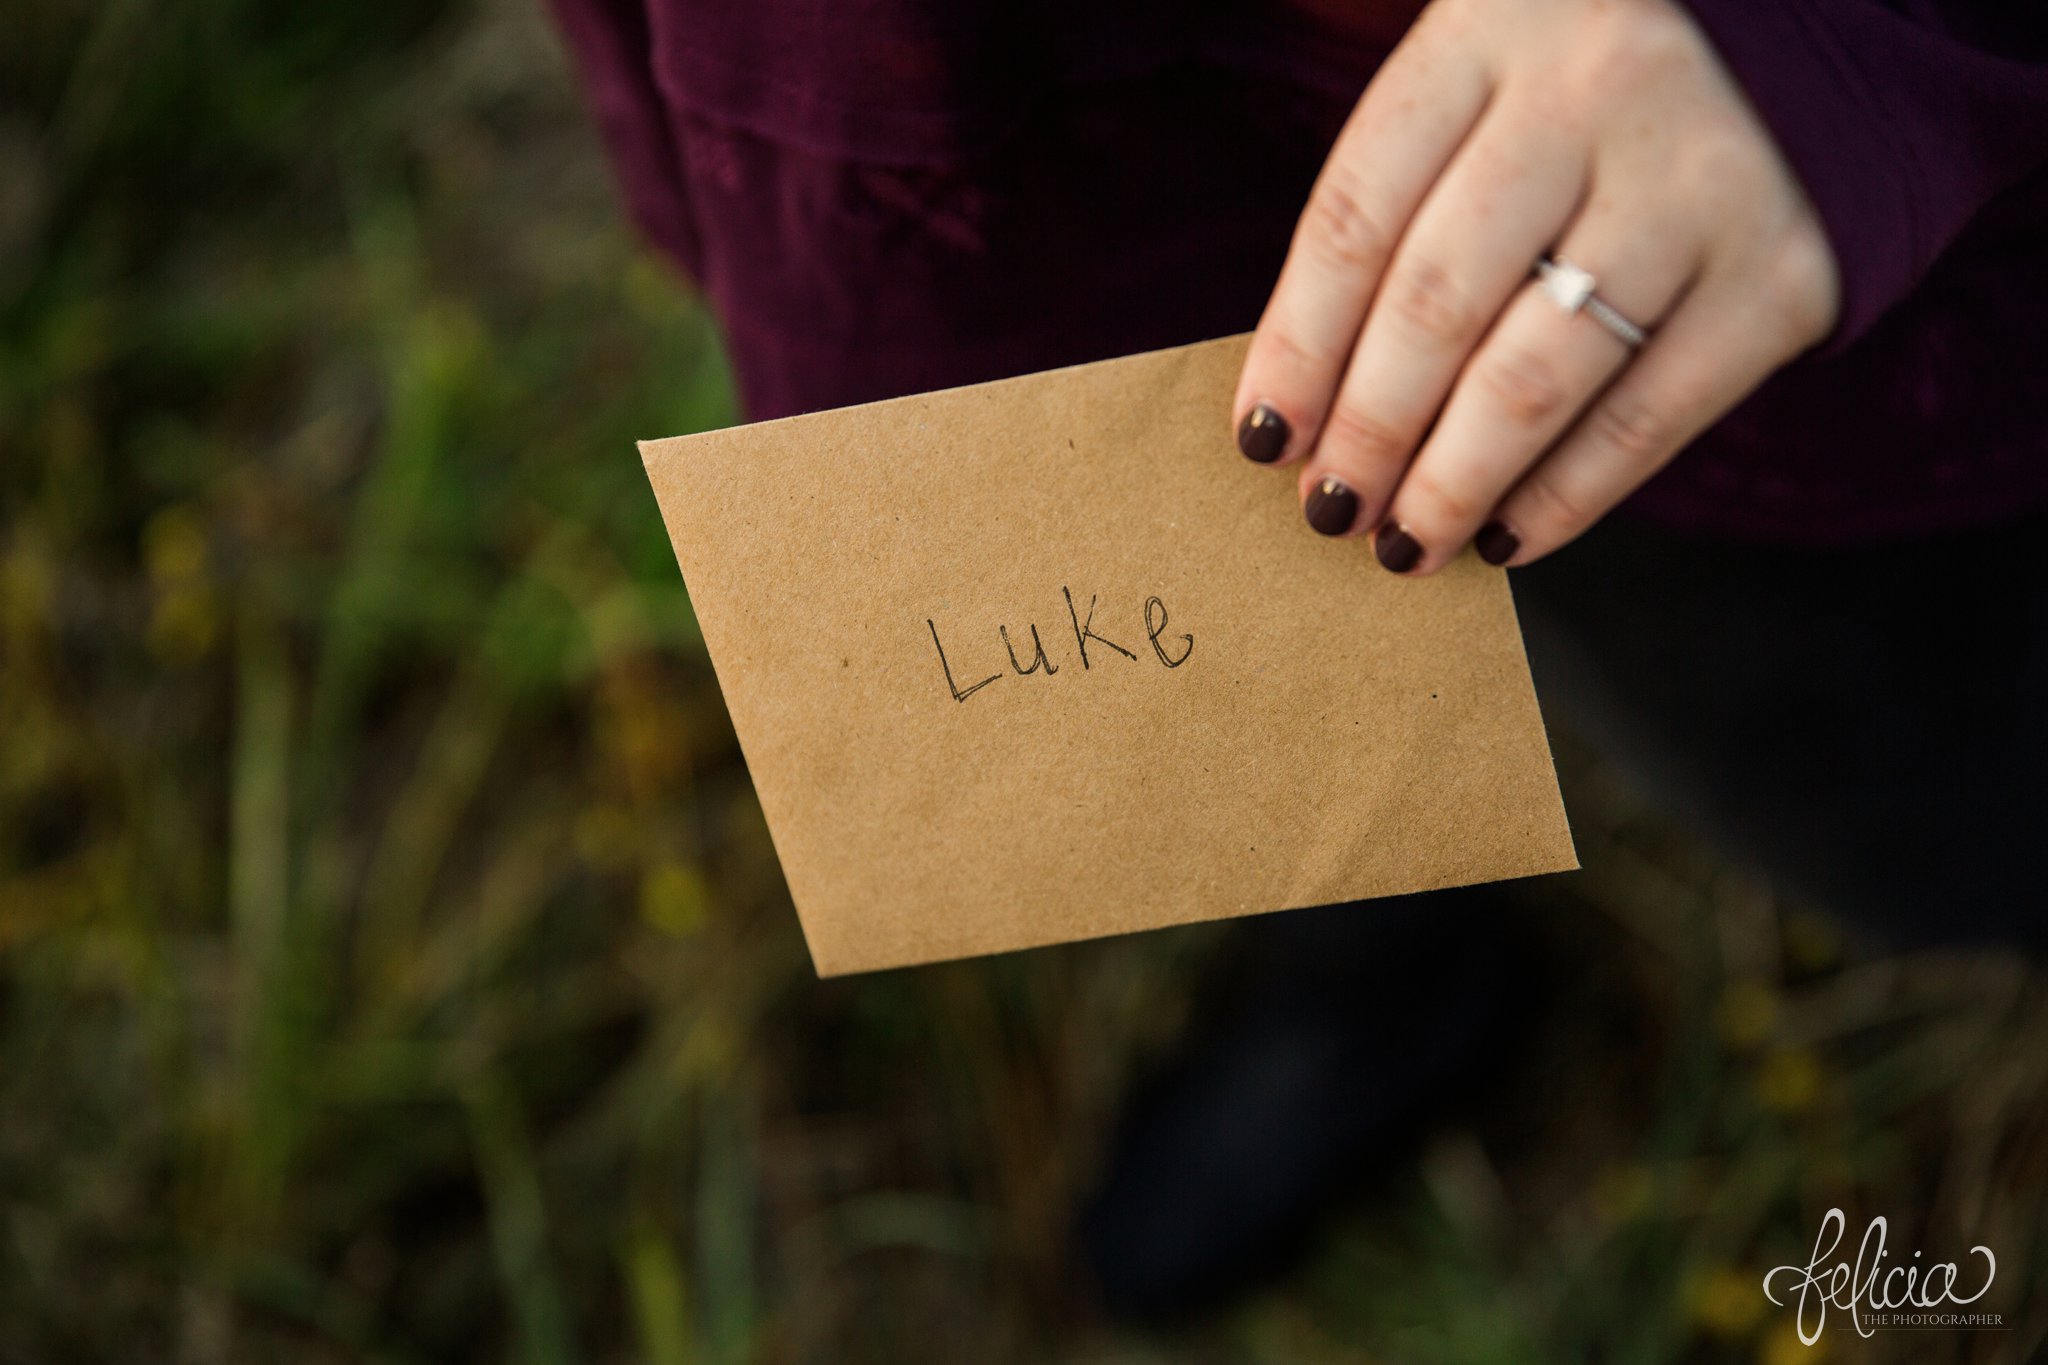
(1902, 121)
(612, 47)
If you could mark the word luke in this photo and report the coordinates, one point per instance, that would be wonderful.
(1084, 633)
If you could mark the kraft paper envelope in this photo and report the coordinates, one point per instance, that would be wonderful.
(1045, 659)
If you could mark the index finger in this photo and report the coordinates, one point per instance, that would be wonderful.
(1416, 112)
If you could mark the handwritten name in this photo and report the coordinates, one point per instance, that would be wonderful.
(1171, 651)
(1866, 1284)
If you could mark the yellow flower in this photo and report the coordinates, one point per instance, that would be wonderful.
(1781, 1346)
(184, 621)
(1813, 943)
(1788, 1081)
(1746, 1012)
(1726, 1302)
(28, 588)
(174, 546)
(674, 899)
(183, 624)
(1622, 1192)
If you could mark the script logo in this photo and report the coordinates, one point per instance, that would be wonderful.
(1874, 1295)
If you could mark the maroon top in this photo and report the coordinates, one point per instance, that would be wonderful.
(886, 196)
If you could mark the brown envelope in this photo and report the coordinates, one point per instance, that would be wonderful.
(1046, 659)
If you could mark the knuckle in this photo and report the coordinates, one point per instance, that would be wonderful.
(1355, 434)
(1803, 280)
(1523, 385)
(1638, 46)
(1705, 174)
(1349, 237)
(1428, 504)
(1547, 507)
(1639, 432)
(1719, 164)
(1565, 107)
(1430, 303)
(1280, 348)
(1446, 23)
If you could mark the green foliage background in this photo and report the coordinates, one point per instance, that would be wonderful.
(393, 965)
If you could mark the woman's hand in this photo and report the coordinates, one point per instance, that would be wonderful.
(1430, 389)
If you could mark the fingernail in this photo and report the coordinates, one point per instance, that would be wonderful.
(1496, 543)
(1398, 551)
(1262, 435)
(1331, 507)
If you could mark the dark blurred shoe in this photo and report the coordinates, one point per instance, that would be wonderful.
(1337, 1036)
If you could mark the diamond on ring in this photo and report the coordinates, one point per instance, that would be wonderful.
(1568, 285)
(1571, 288)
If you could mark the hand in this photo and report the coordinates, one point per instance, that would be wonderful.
(1428, 387)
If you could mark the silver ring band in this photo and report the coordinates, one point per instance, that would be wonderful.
(1571, 289)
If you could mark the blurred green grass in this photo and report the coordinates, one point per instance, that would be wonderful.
(393, 965)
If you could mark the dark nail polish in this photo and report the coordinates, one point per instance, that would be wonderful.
(1397, 550)
(1262, 436)
(1331, 507)
(1496, 543)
